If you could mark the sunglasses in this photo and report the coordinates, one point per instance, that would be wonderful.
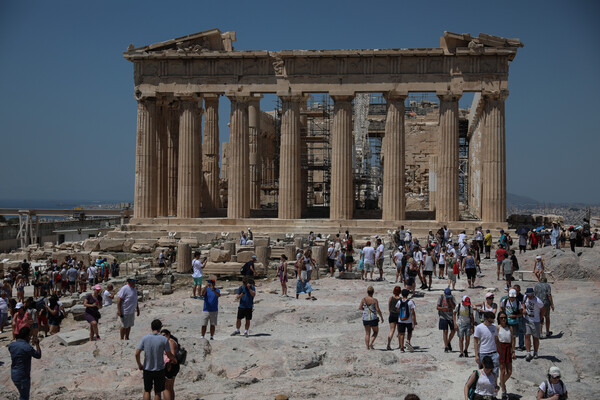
(502, 317)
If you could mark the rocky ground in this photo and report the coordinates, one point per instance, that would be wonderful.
(315, 349)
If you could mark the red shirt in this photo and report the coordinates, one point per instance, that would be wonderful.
(20, 322)
(500, 254)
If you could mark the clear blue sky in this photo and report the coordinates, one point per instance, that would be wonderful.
(68, 116)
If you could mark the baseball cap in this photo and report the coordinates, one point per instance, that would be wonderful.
(529, 291)
(254, 258)
(466, 300)
(554, 372)
(448, 292)
(97, 287)
(538, 258)
(19, 305)
(400, 247)
(211, 281)
(512, 293)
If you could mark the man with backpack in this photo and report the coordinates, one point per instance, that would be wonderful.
(445, 306)
(248, 268)
(211, 308)
(465, 323)
(513, 309)
(407, 320)
(486, 341)
(532, 309)
(553, 388)
(543, 291)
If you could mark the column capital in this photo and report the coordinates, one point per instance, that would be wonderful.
(183, 96)
(395, 96)
(495, 95)
(144, 95)
(240, 98)
(293, 97)
(342, 96)
(449, 96)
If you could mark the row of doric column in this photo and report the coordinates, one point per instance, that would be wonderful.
(178, 175)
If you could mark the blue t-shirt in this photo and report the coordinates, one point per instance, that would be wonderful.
(154, 345)
(211, 300)
(246, 301)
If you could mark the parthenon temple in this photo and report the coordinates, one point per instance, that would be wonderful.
(365, 136)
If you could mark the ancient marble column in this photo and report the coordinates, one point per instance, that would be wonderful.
(162, 193)
(493, 197)
(447, 171)
(432, 181)
(290, 205)
(190, 159)
(172, 156)
(210, 156)
(342, 190)
(238, 186)
(254, 156)
(393, 168)
(145, 160)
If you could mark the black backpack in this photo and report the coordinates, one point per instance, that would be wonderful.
(181, 354)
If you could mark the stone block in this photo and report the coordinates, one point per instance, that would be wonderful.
(77, 311)
(73, 338)
(241, 249)
(68, 303)
(234, 258)
(91, 245)
(217, 255)
(349, 275)
(127, 245)
(261, 241)
(192, 241)
(229, 246)
(142, 247)
(166, 242)
(244, 256)
(167, 289)
(107, 244)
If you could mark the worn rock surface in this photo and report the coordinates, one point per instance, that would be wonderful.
(302, 349)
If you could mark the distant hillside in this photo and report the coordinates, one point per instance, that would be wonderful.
(514, 200)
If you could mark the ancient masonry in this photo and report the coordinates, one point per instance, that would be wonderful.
(178, 84)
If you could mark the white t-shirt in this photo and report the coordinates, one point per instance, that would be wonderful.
(380, 251)
(418, 257)
(463, 250)
(487, 338)
(504, 334)
(197, 268)
(442, 259)
(92, 272)
(452, 251)
(533, 307)
(461, 237)
(369, 255)
(407, 237)
(107, 301)
(331, 253)
(3, 306)
(411, 306)
(398, 257)
(479, 236)
(553, 388)
(338, 246)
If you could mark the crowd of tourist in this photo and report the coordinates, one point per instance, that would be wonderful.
(499, 329)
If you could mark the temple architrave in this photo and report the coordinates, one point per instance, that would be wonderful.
(178, 179)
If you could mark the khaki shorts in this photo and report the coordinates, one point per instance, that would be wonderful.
(369, 267)
(532, 328)
(209, 316)
(127, 320)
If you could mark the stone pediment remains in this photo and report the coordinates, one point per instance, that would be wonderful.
(464, 43)
(210, 40)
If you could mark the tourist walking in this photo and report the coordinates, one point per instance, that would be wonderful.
(197, 267)
(393, 318)
(429, 267)
(108, 295)
(553, 388)
(349, 254)
(487, 240)
(507, 267)
(54, 315)
(469, 267)
(543, 291)
(407, 320)
(465, 325)
(369, 259)
(500, 256)
(506, 351)
(331, 255)
(445, 306)
(21, 354)
(514, 311)
(486, 341)
(532, 309)
(370, 309)
(398, 262)
(245, 294)
(538, 268)
(555, 236)
(487, 305)
(379, 258)
(572, 238)
(282, 274)
(20, 319)
(482, 382)
(210, 310)
(93, 304)
(452, 270)
(3, 310)
(127, 307)
(309, 263)
(171, 369)
(155, 346)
